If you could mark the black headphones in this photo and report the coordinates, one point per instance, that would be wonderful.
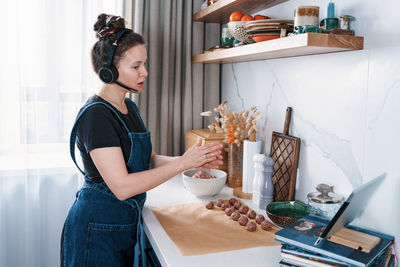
(108, 73)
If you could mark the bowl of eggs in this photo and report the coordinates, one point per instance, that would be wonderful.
(204, 184)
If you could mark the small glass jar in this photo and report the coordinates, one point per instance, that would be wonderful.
(226, 38)
(235, 165)
(324, 202)
(306, 15)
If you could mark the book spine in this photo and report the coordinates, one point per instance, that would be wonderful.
(314, 256)
(320, 251)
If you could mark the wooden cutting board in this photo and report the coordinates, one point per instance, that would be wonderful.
(192, 137)
(285, 151)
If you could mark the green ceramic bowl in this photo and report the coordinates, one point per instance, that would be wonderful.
(286, 212)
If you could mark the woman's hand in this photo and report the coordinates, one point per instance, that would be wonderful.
(204, 157)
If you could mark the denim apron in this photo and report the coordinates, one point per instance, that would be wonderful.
(101, 230)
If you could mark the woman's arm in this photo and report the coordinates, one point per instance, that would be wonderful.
(159, 160)
(111, 165)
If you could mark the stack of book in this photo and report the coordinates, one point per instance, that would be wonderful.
(298, 247)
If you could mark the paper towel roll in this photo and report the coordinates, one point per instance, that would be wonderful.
(249, 150)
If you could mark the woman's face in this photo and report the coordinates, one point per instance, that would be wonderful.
(131, 69)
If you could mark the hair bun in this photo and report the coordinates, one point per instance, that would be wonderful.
(106, 25)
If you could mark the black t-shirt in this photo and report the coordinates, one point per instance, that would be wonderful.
(100, 127)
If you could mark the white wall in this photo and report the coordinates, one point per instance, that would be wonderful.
(346, 107)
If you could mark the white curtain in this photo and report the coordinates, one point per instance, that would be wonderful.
(45, 78)
(177, 90)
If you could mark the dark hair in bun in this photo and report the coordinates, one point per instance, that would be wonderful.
(106, 28)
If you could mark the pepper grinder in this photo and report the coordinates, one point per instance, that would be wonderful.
(266, 186)
(263, 190)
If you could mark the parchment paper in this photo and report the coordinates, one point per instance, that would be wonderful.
(196, 230)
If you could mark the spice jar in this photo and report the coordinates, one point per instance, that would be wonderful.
(306, 15)
(324, 202)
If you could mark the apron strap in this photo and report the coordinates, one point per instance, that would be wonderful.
(74, 131)
(137, 112)
(140, 256)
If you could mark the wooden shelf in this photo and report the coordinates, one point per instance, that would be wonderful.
(297, 45)
(220, 11)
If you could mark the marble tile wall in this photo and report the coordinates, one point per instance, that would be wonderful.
(346, 107)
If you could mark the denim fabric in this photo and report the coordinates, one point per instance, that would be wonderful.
(101, 230)
(139, 158)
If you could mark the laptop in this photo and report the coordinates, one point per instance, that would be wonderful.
(351, 208)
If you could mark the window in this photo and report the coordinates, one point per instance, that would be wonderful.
(47, 77)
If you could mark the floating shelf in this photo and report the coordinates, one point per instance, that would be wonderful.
(220, 11)
(292, 46)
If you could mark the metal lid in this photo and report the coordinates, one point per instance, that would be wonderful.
(325, 195)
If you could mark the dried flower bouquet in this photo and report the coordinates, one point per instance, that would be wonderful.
(237, 127)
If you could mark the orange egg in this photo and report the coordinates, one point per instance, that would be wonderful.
(259, 17)
(236, 16)
(247, 18)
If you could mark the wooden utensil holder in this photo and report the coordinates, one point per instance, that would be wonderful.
(355, 239)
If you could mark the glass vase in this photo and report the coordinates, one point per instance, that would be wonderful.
(235, 165)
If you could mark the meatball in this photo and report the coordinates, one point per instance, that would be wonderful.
(229, 211)
(235, 215)
(243, 209)
(232, 201)
(243, 220)
(266, 225)
(210, 205)
(237, 205)
(251, 226)
(202, 175)
(251, 214)
(259, 218)
(219, 202)
(225, 205)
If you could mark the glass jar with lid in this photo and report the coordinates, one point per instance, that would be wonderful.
(226, 38)
(324, 202)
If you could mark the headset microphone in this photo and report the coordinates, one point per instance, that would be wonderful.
(126, 87)
(108, 73)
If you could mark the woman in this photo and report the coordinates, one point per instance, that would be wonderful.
(103, 225)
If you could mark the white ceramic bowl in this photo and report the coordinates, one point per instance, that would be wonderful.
(204, 188)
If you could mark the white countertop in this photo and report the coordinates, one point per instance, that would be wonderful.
(173, 192)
